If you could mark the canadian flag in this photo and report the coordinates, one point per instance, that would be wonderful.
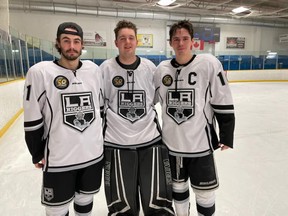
(198, 44)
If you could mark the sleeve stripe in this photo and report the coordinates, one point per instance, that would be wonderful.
(223, 107)
(223, 111)
(35, 123)
(33, 128)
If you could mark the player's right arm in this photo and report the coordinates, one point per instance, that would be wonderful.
(34, 97)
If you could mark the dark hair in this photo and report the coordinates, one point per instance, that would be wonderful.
(62, 30)
(124, 24)
(57, 47)
(186, 24)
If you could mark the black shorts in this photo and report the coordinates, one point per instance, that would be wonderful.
(201, 171)
(59, 187)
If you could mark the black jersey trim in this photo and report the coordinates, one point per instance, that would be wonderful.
(175, 64)
(133, 146)
(132, 66)
(33, 123)
(44, 92)
(57, 63)
(223, 107)
(156, 121)
(190, 154)
(75, 166)
(47, 139)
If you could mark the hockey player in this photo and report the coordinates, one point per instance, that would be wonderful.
(136, 161)
(63, 102)
(194, 95)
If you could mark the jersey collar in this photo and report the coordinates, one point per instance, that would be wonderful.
(57, 63)
(132, 66)
(175, 64)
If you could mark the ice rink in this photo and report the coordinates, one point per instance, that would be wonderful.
(253, 176)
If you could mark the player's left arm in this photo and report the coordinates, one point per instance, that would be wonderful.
(223, 107)
(33, 103)
(226, 123)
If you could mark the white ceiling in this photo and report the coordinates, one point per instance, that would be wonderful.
(263, 12)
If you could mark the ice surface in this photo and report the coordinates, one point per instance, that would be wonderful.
(253, 176)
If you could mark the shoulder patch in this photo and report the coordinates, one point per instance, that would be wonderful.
(61, 82)
(167, 80)
(118, 81)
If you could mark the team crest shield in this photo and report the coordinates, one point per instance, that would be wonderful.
(132, 105)
(78, 110)
(48, 193)
(180, 104)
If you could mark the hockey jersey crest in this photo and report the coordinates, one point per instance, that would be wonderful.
(180, 104)
(78, 110)
(132, 105)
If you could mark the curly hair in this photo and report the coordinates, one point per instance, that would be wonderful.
(124, 24)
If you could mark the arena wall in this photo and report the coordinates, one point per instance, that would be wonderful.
(258, 75)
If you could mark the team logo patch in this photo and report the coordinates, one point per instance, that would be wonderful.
(167, 80)
(118, 81)
(61, 82)
(48, 193)
(78, 110)
(132, 105)
(180, 104)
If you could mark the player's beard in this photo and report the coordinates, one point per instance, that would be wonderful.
(70, 57)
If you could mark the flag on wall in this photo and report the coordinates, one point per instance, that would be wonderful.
(198, 44)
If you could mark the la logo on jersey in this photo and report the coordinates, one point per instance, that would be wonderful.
(78, 110)
(131, 104)
(180, 104)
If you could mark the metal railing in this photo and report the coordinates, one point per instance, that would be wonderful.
(20, 52)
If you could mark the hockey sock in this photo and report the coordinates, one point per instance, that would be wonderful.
(205, 202)
(181, 198)
(83, 204)
(57, 210)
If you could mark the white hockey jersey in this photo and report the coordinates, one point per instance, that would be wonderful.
(130, 117)
(191, 96)
(62, 115)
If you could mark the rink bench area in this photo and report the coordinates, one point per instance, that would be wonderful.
(279, 75)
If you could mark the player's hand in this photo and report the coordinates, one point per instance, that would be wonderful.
(223, 147)
(40, 164)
